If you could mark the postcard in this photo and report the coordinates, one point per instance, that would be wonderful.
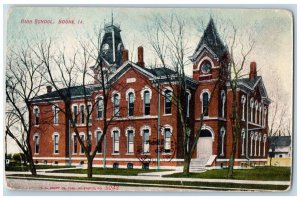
(148, 99)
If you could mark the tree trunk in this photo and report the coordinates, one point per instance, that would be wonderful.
(90, 168)
(31, 165)
(270, 161)
(186, 165)
(232, 156)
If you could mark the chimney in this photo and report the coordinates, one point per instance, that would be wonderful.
(141, 56)
(253, 72)
(124, 55)
(49, 88)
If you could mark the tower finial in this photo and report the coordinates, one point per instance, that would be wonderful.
(112, 17)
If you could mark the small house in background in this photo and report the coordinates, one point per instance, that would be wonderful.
(280, 150)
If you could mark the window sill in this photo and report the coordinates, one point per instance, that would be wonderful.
(129, 154)
(99, 153)
(99, 118)
(146, 154)
(166, 154)
(36, 125)
(36, 154)
(55, 153)
(167, 114)
(115, 154)
(74, 154)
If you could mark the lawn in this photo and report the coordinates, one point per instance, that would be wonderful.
(109, 171)
(26, 168)
(257, 173)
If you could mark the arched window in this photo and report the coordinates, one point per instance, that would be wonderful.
(55, 114)
(82, 115)
(146, 102)
(264, 140)
(130, 132)
(222, 134)
(243, 142)
(145, 133)
(255, 143)
(36, 112)
(130, 103)
(116, 104)
(223, 99)
(75, 113)
(99, 107)
(36, 140)
(265, 116)
(55, 138)
(243, 101)
(251, 109)
(259, 110)
(168, 101)
(116, 140)
(187, 102)
(167, 133)
(98, 137)
(89, 112)
(251, 142)
(205, 99)
(259, 143)
(256, 113)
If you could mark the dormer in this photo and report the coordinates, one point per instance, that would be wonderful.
(210, 54)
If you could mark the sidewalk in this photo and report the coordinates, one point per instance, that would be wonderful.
(157, 177)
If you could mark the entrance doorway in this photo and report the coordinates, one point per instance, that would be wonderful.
(204, 145)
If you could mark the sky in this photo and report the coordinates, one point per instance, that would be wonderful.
(272, 31)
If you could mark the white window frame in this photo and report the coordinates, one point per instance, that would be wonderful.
(130, 91)
(115, 129)
(243, 142)
(116, 113)
(167, 126)
(251, 142)
(54, 135)
(36, 108)
(75, 118)
(264, 140)
(255, 143)
(188, 103)
(100, 108)
(201, 100)
(259, 143)
(251, 109)
(75, 141)
(223, 100)
(89, 112)
(130, 128)
(36, 143)
(98, 130)
(55, 110)
(82, 114)
(145, 127)
(256, 109)
(243, 101)
(165, 99)
(259, 110)
(222, 134)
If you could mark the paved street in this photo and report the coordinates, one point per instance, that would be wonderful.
(40, 185)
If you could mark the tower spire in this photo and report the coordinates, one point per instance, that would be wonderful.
(112, 17)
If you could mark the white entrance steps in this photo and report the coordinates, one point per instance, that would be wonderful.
(200, 164)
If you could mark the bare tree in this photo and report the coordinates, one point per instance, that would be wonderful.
(23, 82)
(169, 40)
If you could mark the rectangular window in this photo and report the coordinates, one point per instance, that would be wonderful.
(36, 144)
(56, 109)
(167, 141)
(130, 141)
(146, 148)
(116, 142)
(99, 148)
(146, 103)
(89, 107)
(99, 108)
(75, 114)
(130, 104)
(75, 144)
(36, 116)
(82, 116)
(81, 147)
(168, 104)
(55, 143)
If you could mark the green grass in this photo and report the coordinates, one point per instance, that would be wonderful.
(159, 183)
(257, 173)
(109, 171)
(23, 168)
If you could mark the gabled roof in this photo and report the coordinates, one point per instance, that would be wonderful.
(211, 40)
(159, 73)
(75, 92)
(249, 85)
